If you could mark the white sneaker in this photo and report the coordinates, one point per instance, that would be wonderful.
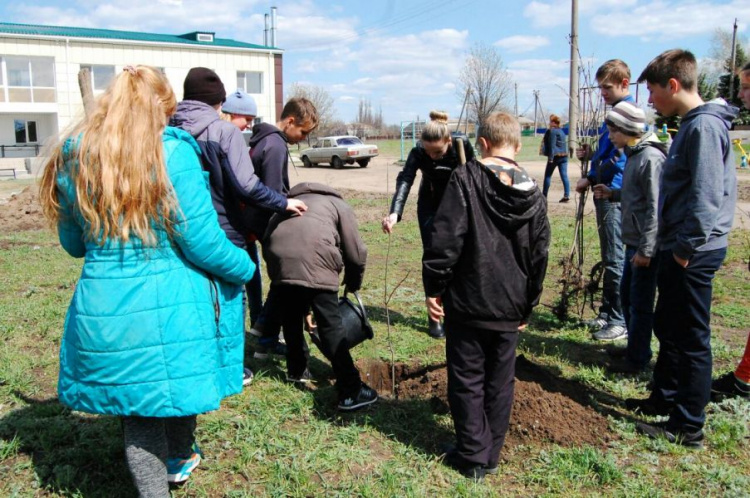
(611, 333)
(247, 376)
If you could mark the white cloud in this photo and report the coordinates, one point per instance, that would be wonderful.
(521, 43)
(674, 20)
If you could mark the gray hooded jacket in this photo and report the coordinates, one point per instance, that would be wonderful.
(699, 183)
(639, 196)
(225, 157)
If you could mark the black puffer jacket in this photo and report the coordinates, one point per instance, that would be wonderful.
(435, 176)
(488, 255)
(313, 249)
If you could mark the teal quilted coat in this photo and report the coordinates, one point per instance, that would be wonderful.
(154, 331)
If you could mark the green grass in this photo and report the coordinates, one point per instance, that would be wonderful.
(274, 440)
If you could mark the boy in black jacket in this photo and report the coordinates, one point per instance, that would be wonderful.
(485, 266)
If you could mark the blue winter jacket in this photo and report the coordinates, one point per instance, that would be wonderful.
(154, 331)
(608, 163)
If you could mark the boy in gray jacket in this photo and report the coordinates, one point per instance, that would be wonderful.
(639, 198)
(697, 197)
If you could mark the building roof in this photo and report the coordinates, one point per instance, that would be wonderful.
(111, 34)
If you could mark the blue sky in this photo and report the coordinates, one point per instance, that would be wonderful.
(406, 55)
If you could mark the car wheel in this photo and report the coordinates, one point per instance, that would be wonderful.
(363, 163)
(337, 163)
(306, 162)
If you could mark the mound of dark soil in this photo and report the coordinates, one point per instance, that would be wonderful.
(546, 409)
(22, 212)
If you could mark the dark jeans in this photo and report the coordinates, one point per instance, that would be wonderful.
(325, 305)
(609, 225)
(424, 218)
(269, 321)
(254, 288)
(638, 291)
(560, 162)
(682, 324)
(481, 381)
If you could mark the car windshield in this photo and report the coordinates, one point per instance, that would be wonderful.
(349, 141)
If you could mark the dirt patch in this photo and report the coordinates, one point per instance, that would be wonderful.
(22, 212)
(743, 191)
(546, 409)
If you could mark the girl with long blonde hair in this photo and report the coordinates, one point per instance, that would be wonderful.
(154, 332)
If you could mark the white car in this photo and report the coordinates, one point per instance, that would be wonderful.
(339, 150)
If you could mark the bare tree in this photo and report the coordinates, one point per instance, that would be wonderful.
(322, 100)
(489, 84)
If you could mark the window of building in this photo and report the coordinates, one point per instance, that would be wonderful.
(101, 76)
(25, 131)
(250, 81)
(27, 79)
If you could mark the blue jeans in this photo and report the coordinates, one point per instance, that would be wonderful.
(638, 291)
(560, 162)
(682, 323)
(609, 225)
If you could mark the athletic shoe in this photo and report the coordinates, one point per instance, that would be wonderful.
(597, 323)
(247, 376)
(276, 348)
(611, 333)
(692, 440)
(565, 199)
(729, 386)
(649, 406)
(179, 469)
(365, 396)
(304, 378)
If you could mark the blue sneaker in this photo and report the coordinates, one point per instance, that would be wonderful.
(179, 469)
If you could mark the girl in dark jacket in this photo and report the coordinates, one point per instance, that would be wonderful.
(436, 155)
(554, 147)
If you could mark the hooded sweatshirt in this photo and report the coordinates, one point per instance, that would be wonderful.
(488, 255)
(270, 156)
(699, 183)
(639, 196)
(230, 171)
(312, 250)
(608, 164)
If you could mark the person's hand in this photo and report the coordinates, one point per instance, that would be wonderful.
(389, 221)
(640, 260)
(296, 206)
(435, 308)
(583, 152)
(522, 326)
(582, 185)
(602, 192)
(682, 262)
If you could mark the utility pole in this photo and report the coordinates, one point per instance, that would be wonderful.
(516, 93)
(573, 106)
(536, 101)
(732, 57)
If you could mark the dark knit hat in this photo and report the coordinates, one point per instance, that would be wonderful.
(627, 117)
(203, 85)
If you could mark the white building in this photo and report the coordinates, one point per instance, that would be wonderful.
(39, 66)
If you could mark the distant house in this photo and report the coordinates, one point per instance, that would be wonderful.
(39, 66)
(526, 123)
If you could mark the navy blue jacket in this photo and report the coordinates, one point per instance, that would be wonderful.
(608, 163)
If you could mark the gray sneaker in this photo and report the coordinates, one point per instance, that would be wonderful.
(597, 323)
(611, 333)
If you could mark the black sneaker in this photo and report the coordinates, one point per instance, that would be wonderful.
(471, 470)
(303, 378)
(728, 386)
(649, 406)
(365, 396)
(661, 430)
(565, 199)
(276, 348)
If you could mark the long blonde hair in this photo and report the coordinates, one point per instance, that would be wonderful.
(121, 181)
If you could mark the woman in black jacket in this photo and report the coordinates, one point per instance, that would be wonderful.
(436, 155)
